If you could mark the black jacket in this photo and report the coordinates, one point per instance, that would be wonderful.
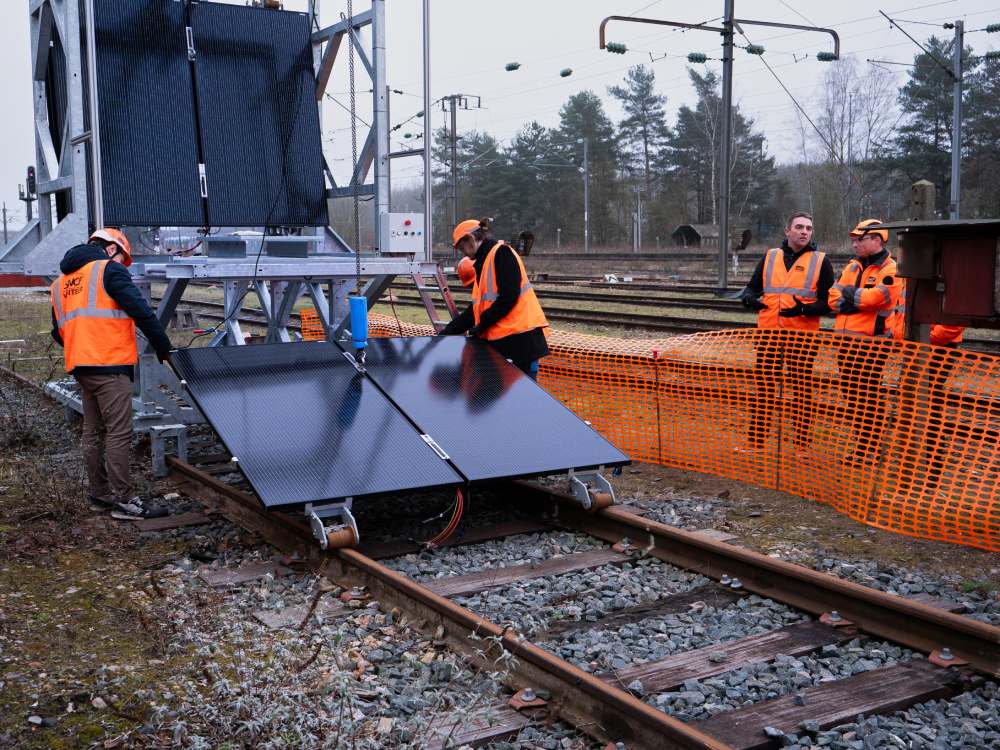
(519, 348)
(821, 306)
(119, 286)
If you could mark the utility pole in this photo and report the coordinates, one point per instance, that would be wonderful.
(586, 196)
(452, 104)
(5, 222)
(728, 47)
(954, 212)
(637, 231)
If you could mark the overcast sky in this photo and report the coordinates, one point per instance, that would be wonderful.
(472, 41)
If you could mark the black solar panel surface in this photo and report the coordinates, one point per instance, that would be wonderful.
(305, 425)
(260, 130)
(490, 418)
(149, 151)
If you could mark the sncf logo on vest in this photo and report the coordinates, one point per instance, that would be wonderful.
(72, 286)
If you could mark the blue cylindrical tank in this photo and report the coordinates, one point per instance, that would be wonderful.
(359, 321)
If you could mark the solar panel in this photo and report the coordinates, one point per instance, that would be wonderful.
(490, 418)
(149, 149)
(260, 132)
(305, 426)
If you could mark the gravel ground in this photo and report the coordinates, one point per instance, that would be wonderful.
(581, 596)
(520, 549)
(373, 682)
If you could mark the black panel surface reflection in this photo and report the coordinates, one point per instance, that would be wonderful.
(149, 148)
(260, 121)
(490, 418)
(305, 425)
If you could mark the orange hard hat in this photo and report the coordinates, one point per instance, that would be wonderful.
(463, 228)
(116, 236)
(870, 226)
(466, 271)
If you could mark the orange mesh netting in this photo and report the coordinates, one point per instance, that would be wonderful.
(901, 436)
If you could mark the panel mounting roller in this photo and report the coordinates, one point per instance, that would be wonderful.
(591, 489)
(342, 534)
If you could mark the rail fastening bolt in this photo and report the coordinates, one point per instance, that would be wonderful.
(946, 655)
(736, 584)
(835, 616)
(528, 695)
(725, 580)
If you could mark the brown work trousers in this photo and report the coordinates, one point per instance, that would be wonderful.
(107, 433)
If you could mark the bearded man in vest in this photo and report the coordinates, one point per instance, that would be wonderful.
(504, 310)
(866, 301)
(95, 311)
(789, 290)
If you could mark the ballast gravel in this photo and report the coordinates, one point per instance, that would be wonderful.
(520, 549)
(589, 595)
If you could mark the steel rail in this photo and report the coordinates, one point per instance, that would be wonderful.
(587, 702)
(903, 621)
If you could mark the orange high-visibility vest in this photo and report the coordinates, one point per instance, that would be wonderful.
(782, 285)
(874, 300)
(95, 331)
(897, 321)
(527, 313)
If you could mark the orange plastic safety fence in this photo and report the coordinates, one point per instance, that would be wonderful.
(311, 327)
(897, 435)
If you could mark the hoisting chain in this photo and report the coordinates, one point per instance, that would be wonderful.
(354, 150)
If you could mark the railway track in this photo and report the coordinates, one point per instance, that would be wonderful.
(610, 705)
(692, 580)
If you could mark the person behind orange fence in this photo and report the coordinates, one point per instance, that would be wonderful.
(504, 310)
(865, 300)
(95, 310)
(789, 290)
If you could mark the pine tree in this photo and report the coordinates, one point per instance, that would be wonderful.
(583, 116)
(923, 142)
(644, 129)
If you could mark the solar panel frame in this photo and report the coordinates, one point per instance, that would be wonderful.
(260, 133)
(305, 425)
(492, 420)
(149, 147)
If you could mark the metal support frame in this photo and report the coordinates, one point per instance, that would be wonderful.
(584, 484)
(276, 282)
(341, 511)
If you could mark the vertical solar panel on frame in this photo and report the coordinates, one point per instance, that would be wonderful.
(149, 150)
(260, 133)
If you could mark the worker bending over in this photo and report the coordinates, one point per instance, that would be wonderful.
(789, 290)
(865, 300)
(95, 309)
(504, 310)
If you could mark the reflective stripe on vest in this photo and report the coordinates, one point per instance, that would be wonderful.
(808, 289)
(526, 314)
(782, 286)
(96, 332)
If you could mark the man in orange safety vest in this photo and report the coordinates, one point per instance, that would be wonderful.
(504, 310)
(95, 311)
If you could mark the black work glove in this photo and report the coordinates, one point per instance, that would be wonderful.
(795, 311)
(847, 305)
(475, 331)
(750, 301)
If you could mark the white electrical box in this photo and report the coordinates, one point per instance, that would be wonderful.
(401, 234)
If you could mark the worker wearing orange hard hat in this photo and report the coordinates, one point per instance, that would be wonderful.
(504, 310)
(95, 311)
(865, 301)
